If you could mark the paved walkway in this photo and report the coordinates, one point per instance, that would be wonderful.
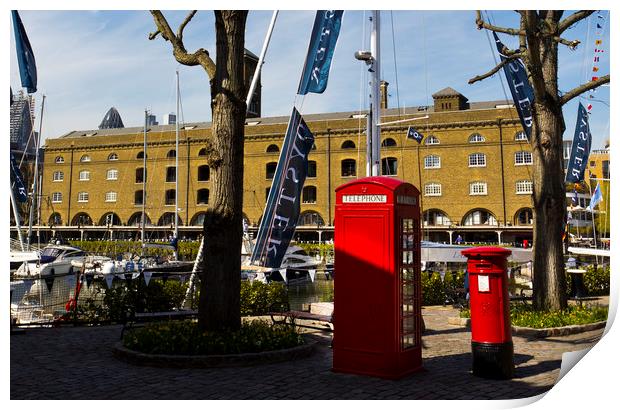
(77, 363)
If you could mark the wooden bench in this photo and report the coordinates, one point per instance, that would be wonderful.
(139, 319)
(297, 314)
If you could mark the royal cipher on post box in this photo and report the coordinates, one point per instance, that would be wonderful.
(377, 295)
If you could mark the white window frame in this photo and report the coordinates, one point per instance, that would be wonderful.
(82, 197)
(476, 160)
(58, 176)
(521, 158)
(85, 158)
(434, 164)
(57, 197)
(524, 186)
(112, 174)
(113, 157)
(80, 176)
(476, 138)
(432, 189)
(59, 159)
(521, 136)
(432, 140)
(478, 188)
(111, 196)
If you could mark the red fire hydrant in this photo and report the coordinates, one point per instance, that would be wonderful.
(491, 337)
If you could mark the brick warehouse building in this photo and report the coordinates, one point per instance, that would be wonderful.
(473, 170)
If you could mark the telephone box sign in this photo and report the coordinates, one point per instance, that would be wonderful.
(364, 199)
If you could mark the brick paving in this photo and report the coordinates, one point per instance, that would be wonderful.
(77, 363)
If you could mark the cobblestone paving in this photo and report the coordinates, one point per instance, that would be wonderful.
(77, 363)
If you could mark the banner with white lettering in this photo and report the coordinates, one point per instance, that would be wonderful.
(18, 181)
(520, 88)
(283, 203)
(582, 141)
(320, 51)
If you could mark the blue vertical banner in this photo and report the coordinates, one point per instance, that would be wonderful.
(320, 51)
(18, 181)
(25, 56)
(520, 88)
(582, 142)
(283, 203)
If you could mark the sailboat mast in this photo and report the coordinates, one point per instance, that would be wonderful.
(176, 176)
(375, 70)
(35, 182)
(142, 238)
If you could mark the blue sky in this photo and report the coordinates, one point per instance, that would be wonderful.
(89, 61)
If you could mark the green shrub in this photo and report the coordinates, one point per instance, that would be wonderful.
(258, 298)
(433, 292)
(185, 338)
(596, 281)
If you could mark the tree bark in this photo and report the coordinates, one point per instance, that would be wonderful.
(219, 304)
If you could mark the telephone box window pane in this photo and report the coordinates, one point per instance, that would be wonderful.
(407, 274)
(407, 257)
(408, 341)
(408, 291)
(407, 308)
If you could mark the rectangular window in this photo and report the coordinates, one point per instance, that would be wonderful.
(477, 160)
(57, 197)
(478, 188)
(110, 196)
(432, 190)
(84, 176)
(58, 176)
(112, 175)
(523, 158)
(139, 175)
(83, 197)
(311, 169)
(524, 187)
(432, 161)
(171, 174)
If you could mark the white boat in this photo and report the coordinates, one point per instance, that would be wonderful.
(57, 260)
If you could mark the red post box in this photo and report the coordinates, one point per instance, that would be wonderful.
(377, 293)
(491, 337)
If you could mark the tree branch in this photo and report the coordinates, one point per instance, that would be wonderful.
(571, 44)
(494, 70)
(483, 24)
(583, 88)
(189, 17)
(572, 19)
(199, 57)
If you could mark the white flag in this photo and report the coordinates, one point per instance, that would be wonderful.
(109, 277)
(147, 277)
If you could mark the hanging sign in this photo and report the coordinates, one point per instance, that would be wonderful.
(582, 141)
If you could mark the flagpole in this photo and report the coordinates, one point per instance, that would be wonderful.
(35, 183)
(593, 224)
(375, 49)
(176, 176)
(261, 59)
(16, 214)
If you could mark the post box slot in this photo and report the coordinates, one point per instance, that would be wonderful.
(483, 265)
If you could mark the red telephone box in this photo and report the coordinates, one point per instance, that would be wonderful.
(491, 334)
(377, 293)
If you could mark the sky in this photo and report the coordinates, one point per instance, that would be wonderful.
(89, 61)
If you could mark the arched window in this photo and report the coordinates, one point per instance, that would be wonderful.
(171, 154)
(59, 160)
(432, 189)
(82, 219)
(58, 176)
(389, 166)
(140, 155)
(273, 148)
(82, 197)
(270, 169)
(113, 157)
(347, 168)
(436, 217)
(112, 174)
(202, 196)
(309, 195)
(202, 152)
(170, 196)
(388, 142)
(311, 218)
(57, 197)
(311, 169)
(110, 219)
(84, 175)
(136, 219)
(55, 219)
(348, 144)
(520, 136)
(432, 161)
(198, 219)
(138, 197)
(168, 218)
(477, 160)
(479, 217)
(524, 186)
(524, 216)
(431, 140)
(204, 173)
(85, 158)
(476, 138)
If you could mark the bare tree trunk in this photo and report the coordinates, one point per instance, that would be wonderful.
(219, 305)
